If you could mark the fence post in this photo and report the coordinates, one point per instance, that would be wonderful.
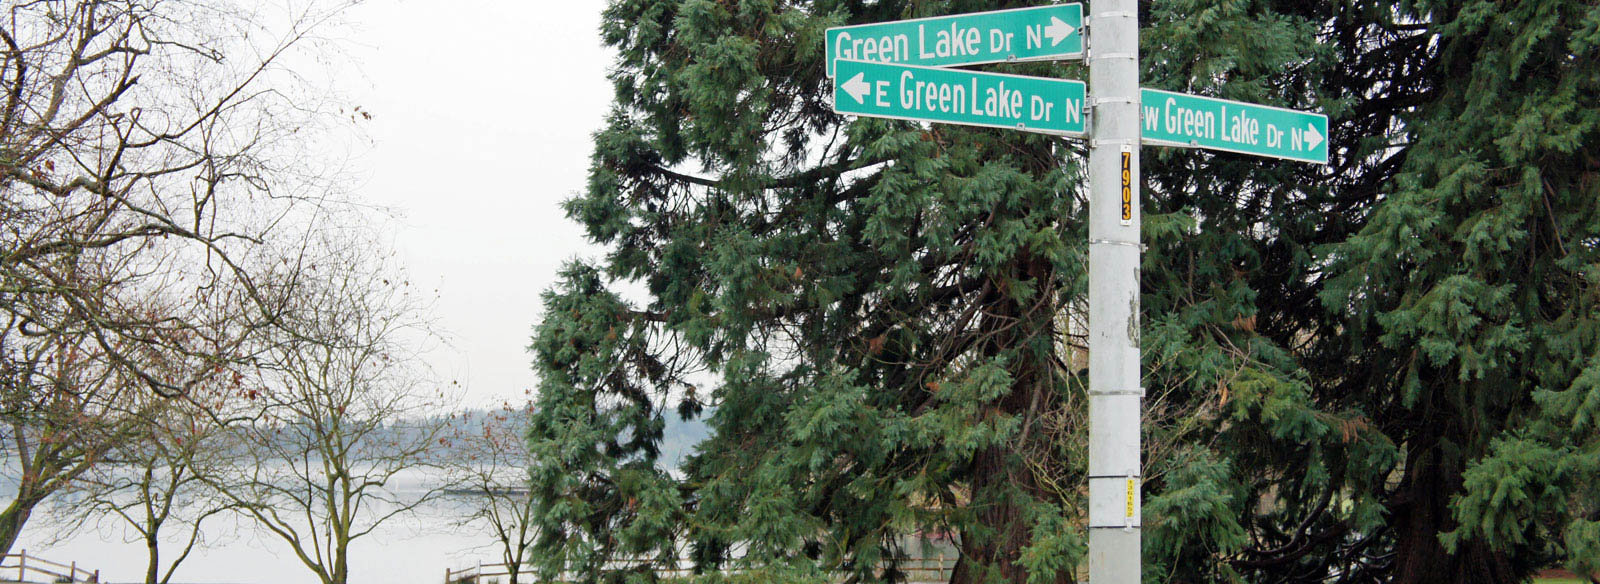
(72, 573)
(22, 563)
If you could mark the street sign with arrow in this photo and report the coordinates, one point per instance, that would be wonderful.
(1178, 119)
(1041, 33)
(955, 96)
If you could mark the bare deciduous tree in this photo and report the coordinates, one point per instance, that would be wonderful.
(349, 413)
(154, 484)
(148, 152)
(487, 468)
(64, 411)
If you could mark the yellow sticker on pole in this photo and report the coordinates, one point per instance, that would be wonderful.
(1127, 185)
(1132, 489)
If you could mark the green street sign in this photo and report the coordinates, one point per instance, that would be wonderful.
(1178, 119)
(955, 96)
(1040, 33)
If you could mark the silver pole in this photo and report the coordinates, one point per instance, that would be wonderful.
(1115, 391)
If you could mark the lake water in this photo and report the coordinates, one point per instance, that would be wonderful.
(406, 550)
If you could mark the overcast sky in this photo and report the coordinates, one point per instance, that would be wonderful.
(482, 112)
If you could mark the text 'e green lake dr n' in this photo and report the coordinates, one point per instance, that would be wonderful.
(955, 96)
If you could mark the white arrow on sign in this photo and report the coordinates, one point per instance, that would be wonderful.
(1057, 31)
(858, 87)
(1313, 137)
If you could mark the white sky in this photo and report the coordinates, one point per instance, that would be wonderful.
(483, 111)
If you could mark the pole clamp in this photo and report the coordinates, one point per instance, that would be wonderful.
(1095, 101)
(1142, 247)
(1116, 56)
(1124, 392)
(1111, 14)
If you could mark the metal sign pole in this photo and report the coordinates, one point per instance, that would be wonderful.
(1115, 390)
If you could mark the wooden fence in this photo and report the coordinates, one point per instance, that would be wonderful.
(917, 570)
(44, 571)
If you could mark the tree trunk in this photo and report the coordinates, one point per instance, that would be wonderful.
(1001, 483)
(341, 562)
(1432, 477)
(990, 549)
(513, 567)
(152, 570)
(14, 518)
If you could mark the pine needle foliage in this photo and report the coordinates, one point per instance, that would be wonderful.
(1471, 295)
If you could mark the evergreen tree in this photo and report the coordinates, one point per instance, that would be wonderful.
(873, 306)
(1279, 469)
(1471, 296)
(880, 315)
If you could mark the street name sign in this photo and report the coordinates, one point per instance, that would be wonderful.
(1039, 33)
(1179, 119)
(955, 96)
